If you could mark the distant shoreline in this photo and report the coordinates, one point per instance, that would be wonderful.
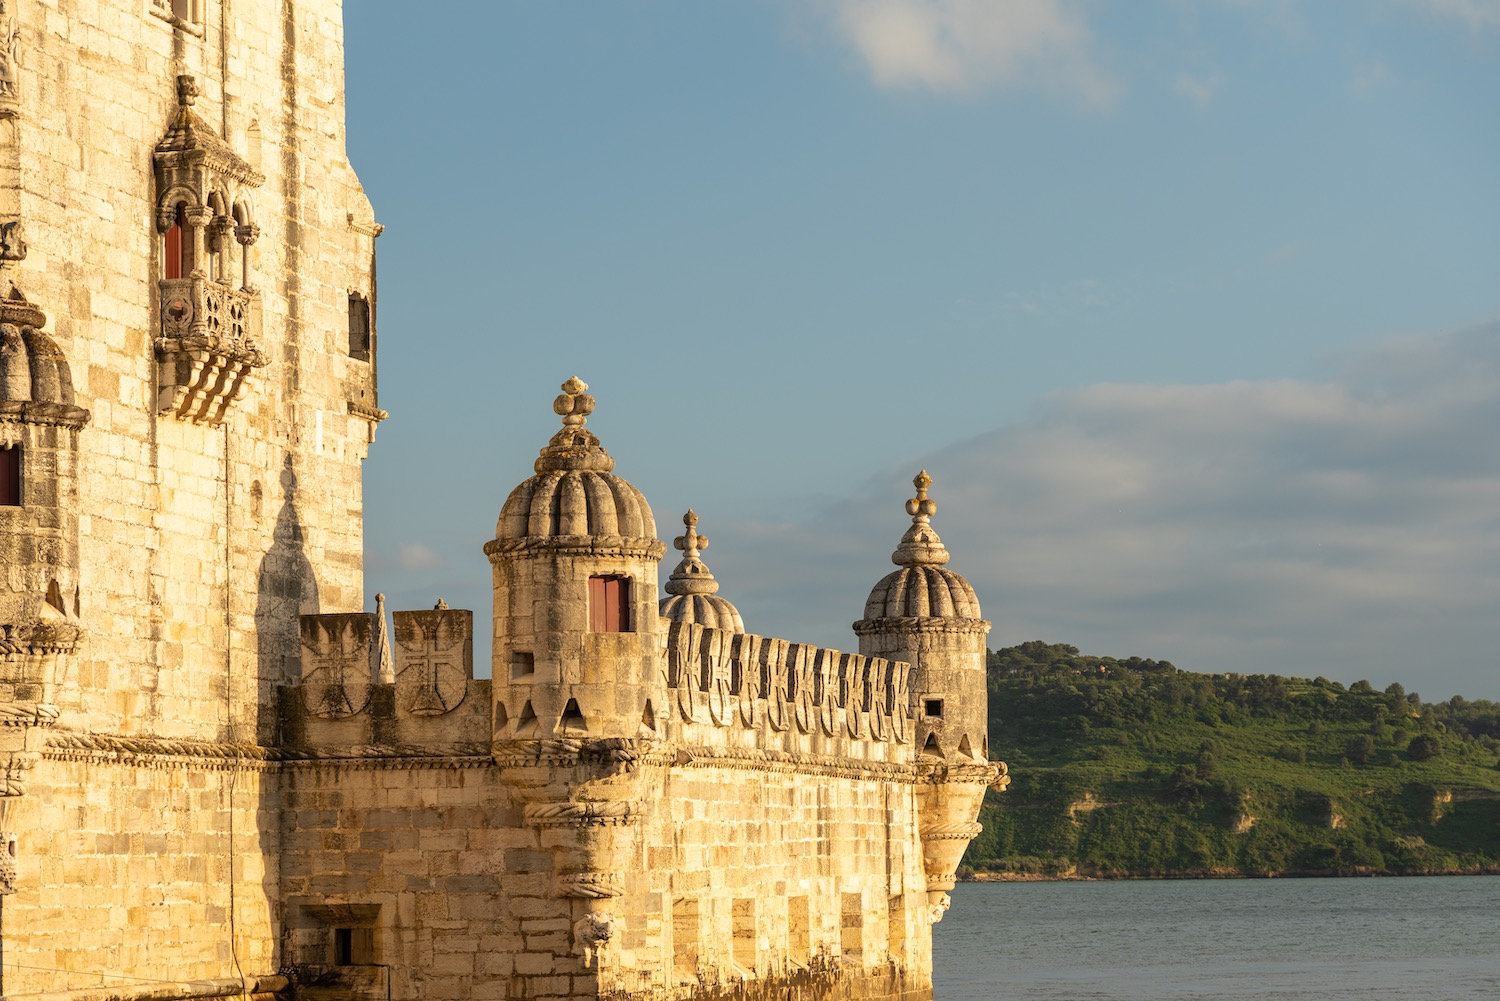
(1075, 877)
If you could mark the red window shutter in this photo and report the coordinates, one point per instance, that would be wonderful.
(609, 604)
(597, 605)
(171, 252)
(10, 477)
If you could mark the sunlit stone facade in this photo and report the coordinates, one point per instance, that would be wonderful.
(221, 777)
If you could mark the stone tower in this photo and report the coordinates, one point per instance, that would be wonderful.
(575, 558)
(928, 616)
(187, 393)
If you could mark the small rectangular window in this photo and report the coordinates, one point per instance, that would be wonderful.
(10, 476)
(522, 665)
(933, 708)
(609, 604)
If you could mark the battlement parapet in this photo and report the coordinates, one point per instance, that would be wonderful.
(790, 696)
(358, 689)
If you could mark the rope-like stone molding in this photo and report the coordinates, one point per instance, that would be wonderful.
(27, 714)
(952, 832)
(160, 752)
(589, 885)
(922, 625)
(576, 545)
(583, 813)
(986, 773)
(788, 762)
(60, 742)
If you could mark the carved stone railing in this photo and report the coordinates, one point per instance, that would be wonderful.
(743, 680)
(208, 347)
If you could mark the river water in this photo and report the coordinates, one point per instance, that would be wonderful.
(1392, 939)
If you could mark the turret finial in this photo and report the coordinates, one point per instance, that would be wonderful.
(920, 546)
(692, 576)
(575, 446)
(575, 404)
(920, 507)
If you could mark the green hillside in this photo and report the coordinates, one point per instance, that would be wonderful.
(1135, 768)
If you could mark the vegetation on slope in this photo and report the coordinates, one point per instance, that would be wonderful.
(1135, 768)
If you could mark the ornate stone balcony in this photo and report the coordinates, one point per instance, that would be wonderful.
(208, 347)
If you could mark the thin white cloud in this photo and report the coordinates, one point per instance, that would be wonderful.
(416, 557)
(1348, 528)
(1199, 90)
(965, 46)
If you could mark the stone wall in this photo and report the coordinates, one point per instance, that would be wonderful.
(192, 542)
(761, 836)
(134, 868)
(198, 543)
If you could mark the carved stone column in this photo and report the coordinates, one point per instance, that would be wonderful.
(197, 219)
(245, 236)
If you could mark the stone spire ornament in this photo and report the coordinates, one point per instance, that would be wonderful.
(692, 576)
(574, 447)
(692, 591)
(920, 546)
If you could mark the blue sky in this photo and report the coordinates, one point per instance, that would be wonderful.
(1190, 309)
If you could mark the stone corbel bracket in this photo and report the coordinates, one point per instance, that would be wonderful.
(203, 376)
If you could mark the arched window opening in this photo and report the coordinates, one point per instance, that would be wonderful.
(176, 253)
(10, 476)
(359, 327)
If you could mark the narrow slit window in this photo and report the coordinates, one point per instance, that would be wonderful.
(609, 604)
(359, 327)
(10, 476)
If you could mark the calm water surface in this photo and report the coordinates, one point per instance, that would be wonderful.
(1413, 939)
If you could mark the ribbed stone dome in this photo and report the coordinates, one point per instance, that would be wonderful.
(923, 587)
(922, 592)
(34, 374)
(705, 609)
(692, 590)
(575, 502)
(575, 492)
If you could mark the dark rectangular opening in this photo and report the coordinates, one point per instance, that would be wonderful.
(10, 476)
(522, 664)
(933, 707)
(359, 327)
(354, 946)
(609, 604)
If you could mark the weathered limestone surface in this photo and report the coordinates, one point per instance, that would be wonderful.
(220, 776)
(152, 575)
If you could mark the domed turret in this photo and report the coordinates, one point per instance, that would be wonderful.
(928, 616)
(692, 592)
(575, 558)
(39, 426)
